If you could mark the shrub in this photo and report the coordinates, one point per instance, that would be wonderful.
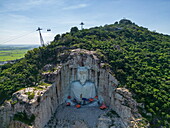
(23, 117)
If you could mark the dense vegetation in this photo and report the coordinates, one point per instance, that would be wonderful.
(138, 57)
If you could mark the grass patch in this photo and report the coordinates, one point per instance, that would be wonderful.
(30, 95)
(8, 53)
(12, 54)
(14, 102)
(45, 84)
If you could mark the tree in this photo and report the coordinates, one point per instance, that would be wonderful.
(57, 37)
(73, 30)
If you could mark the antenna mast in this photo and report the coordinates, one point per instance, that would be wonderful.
(41, 38)
(81, 25)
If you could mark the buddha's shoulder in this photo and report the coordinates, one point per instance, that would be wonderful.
(75, 82)
(89, 82)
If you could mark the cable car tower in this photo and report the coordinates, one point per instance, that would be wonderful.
(41, 38)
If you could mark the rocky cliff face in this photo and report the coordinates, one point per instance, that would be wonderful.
(122, 113)
(43, 101)
(127, 108)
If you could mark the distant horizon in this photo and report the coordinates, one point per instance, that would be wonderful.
(20, 45)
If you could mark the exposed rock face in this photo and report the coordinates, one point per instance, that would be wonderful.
(41, 106)
(67, 73)
(125, 106)
(17, 124)
(43, 100)
(92, 117)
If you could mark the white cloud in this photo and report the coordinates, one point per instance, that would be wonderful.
(75, 7)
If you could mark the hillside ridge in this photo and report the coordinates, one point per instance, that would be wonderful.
(138, 57)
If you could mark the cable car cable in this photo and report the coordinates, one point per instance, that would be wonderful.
(16, 38)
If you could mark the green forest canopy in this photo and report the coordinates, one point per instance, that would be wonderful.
(139, 58)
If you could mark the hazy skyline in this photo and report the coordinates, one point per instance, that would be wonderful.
(20, 18)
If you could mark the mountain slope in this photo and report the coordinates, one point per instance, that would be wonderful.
(138, 57)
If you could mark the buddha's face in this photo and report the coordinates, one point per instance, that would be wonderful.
(82, 74)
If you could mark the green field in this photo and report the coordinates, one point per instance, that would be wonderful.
(14, 52)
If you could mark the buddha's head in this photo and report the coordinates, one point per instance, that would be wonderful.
(82, 74)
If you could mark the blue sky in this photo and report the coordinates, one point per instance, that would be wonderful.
(21, 18)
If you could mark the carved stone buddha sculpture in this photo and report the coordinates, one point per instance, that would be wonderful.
(82, 88)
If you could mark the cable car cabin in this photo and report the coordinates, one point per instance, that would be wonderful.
(48, 30)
